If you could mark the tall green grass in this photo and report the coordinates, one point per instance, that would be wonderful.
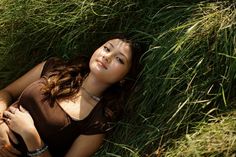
(189, 67)
(188, 76)
(42, 28)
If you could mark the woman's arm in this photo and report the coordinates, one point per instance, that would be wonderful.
(85, 145)
(21, 122)
(5, 100)
(13, 90)
(7, 95)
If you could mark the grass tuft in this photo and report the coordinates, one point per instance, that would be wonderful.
(215, 138)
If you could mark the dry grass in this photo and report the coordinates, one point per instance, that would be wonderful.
(217, 138)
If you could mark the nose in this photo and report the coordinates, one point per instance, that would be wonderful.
(106, 58)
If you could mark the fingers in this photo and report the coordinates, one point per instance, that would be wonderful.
(5, 152)
(12, 109)
(2, 154)
(12, 151)
(6, 120)
(22, 109)
(9, 151)
(7, 116)
(12, 137)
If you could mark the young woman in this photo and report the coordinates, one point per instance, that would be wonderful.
(67, 109)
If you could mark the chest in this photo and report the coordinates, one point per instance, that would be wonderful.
(62, 113)
(77, 108)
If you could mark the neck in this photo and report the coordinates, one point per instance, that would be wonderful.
(94, 86)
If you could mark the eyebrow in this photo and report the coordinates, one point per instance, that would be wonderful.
(119, 52)
(111, 44)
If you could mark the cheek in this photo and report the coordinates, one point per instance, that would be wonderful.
(93, 57)
(121, 72)
(96, 53)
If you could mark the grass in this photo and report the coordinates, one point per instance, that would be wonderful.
(46, 28)
(215, 138)
(189, 67)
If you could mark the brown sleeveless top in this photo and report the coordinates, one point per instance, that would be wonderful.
(56, 128)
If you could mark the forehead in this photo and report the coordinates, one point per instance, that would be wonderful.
(122, 46)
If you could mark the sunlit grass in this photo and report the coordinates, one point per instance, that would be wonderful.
(60, 28)
(215, 138)
(189, 72)
(189, 68)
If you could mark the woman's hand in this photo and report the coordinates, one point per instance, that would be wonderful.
(19, 120)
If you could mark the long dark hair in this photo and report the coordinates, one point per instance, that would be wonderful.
(65, 80)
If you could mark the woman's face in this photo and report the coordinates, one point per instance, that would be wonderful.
(112, 61)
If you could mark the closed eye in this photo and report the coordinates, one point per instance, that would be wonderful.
(106, 49)
(120, 60)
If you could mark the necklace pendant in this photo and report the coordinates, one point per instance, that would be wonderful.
(96, 98)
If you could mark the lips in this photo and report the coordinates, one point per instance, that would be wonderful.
(102, 64)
